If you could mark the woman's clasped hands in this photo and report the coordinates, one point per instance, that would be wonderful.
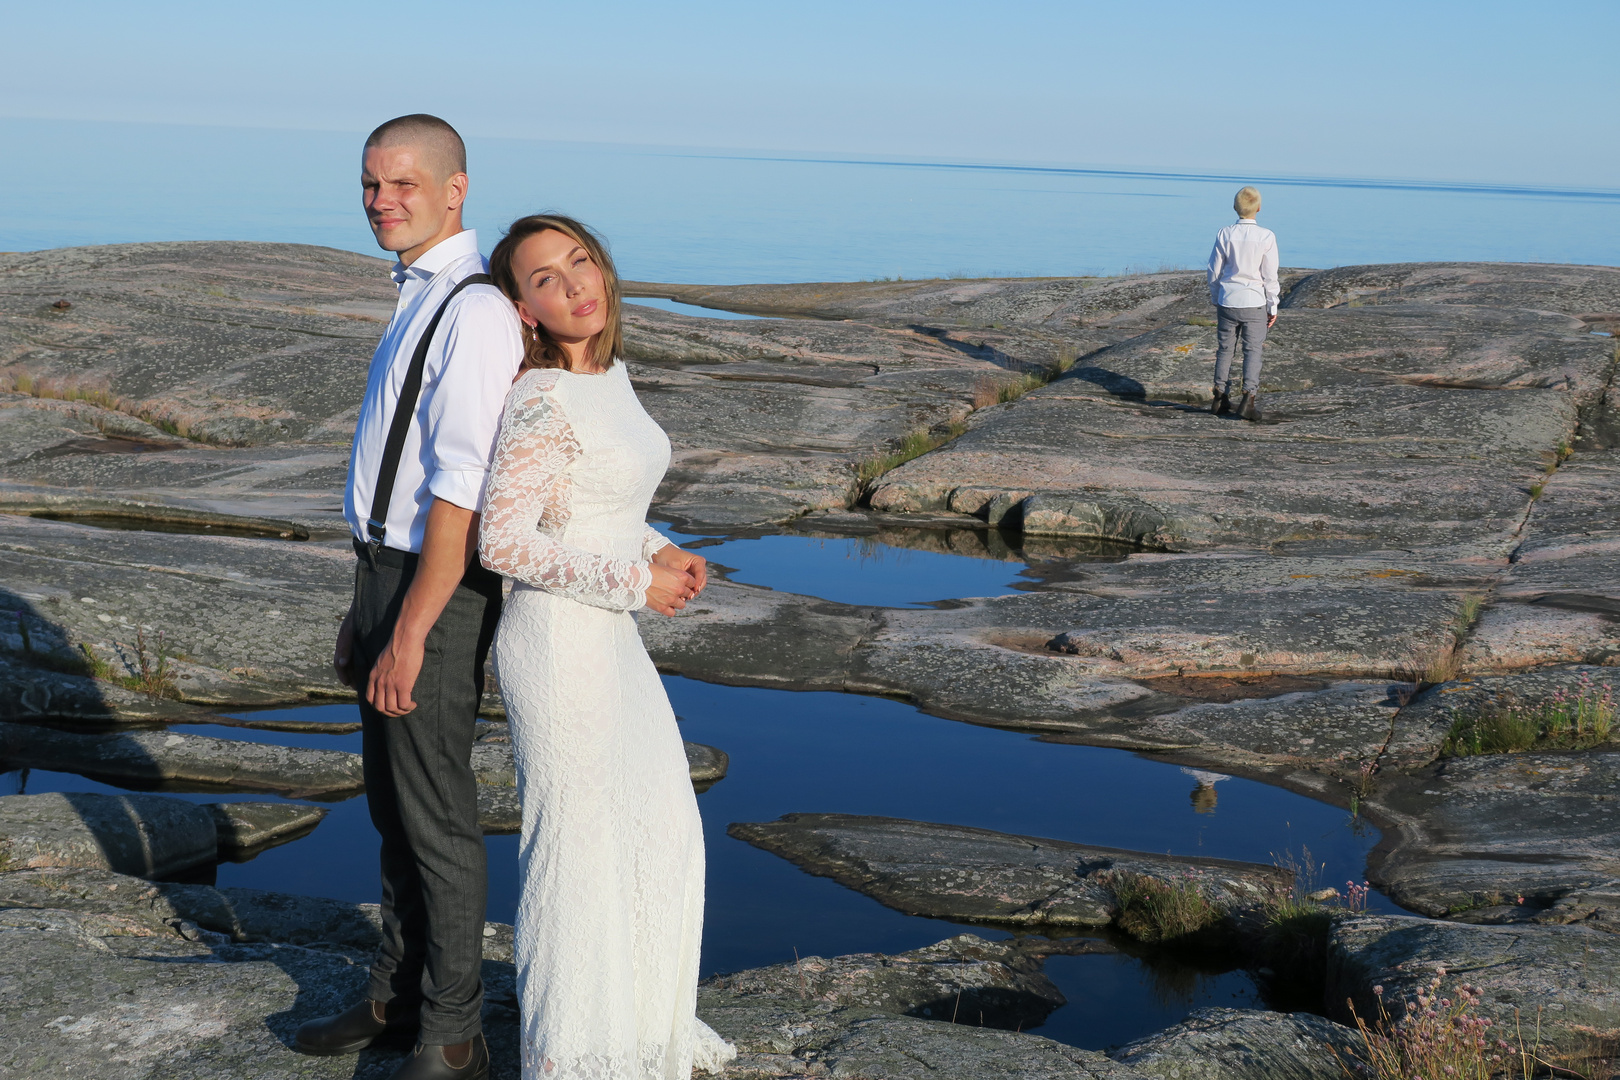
(677, 576)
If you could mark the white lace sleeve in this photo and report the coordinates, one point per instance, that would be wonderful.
(526, 502)
(653, 541)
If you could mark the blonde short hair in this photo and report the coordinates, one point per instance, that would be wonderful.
(1247, 203)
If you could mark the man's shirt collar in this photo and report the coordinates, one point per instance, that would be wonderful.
(437, 257)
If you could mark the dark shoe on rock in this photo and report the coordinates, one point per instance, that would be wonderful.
(1249, 409)
(353, 1029)
(1222, 403)
(464, 1061)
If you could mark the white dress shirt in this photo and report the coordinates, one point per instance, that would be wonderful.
(470, 365)
(1243, 267)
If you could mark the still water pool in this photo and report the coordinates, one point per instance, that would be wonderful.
(830, 752)
(854, 569)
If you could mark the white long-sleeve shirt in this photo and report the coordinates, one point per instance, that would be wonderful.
(1243, 267)
(475, 353)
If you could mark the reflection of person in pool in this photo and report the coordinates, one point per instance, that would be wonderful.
(1203, 795)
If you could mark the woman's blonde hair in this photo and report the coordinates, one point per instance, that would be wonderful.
(1247, 202)
(540, 349)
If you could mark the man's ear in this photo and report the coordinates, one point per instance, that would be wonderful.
(458, 190)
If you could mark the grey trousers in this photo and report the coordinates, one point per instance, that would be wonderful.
(424, 801)
(1232, 323)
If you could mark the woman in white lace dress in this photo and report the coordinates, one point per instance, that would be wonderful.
(610, 920)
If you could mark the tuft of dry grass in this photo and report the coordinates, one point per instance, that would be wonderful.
(91, 391)
(1154, 910)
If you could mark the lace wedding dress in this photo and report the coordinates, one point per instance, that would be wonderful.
(610, 918)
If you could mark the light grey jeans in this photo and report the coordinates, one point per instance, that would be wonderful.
(1231, 323)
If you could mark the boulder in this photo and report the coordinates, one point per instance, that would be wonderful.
(168, 756)
(1563, 978)
(245, 827)
(976, 875)
(707, 764)
(965, 979)
(1248, 1044)
(142, 835)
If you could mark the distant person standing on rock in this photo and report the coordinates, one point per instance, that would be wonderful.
(424, 610)
(1243, 287)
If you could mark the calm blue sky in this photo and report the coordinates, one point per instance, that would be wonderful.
(1484, 91)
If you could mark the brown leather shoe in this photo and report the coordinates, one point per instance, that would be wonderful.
(1221, 404)
(1249, 409)
(464, 1061)
(353, 1029)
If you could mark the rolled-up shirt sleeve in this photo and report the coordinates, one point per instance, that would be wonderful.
(1268, 277)
(482, 348)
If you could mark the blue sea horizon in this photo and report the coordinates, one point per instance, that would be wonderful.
(720, 216)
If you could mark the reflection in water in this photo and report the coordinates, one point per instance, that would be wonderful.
(1203, 795)
(896, 567)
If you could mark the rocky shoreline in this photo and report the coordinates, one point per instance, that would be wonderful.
(1417, 550)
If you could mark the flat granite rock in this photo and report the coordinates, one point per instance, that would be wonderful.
(781, 1038)
(264, 376)
(1563, 977)
(1481, 832)
(253, 620)
(138, 1008)
(30, 692)
(1559, 601)
(976, 875)
(240, 914)
(1080, 658)
(1385, 425)
(1573, 290)
(167, 756)
(248, 827)
(1248, 1044)
(142, 835)
(996, 983)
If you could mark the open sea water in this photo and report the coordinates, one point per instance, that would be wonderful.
(729, 217)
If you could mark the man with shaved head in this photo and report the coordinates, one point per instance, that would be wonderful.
(424, 610)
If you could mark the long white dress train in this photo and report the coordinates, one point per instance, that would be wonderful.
(610, 918)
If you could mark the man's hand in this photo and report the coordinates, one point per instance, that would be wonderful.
(1272, 321)
(393, 676)
(448, 544)
(343, 651)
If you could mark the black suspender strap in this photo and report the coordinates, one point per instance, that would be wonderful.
(377, 524)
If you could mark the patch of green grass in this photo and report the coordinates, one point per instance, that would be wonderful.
(913, 444)
(1199, 320)
(1536, 489)
(1154, 910)
(1067, 356)
(1571, 719)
